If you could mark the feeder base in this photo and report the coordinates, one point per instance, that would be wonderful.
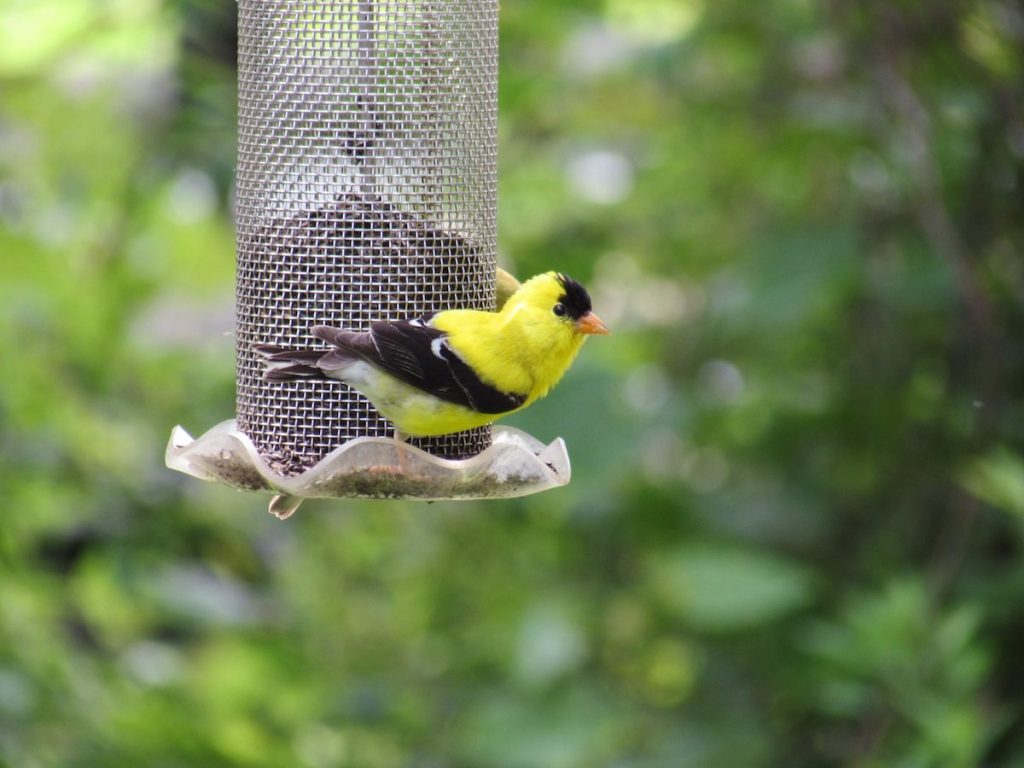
(516, 464)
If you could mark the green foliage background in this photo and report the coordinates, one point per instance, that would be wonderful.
(794, 533)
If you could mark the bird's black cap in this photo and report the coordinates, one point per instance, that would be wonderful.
(576, 299)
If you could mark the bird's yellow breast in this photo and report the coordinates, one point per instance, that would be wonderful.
(521, 350)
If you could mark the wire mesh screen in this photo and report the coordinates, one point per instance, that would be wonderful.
(366, 191)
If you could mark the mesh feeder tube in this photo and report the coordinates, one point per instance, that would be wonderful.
(366, 190)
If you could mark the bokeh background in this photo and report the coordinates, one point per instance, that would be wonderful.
(794, 533)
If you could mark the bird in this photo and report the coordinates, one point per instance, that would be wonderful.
(456, 369)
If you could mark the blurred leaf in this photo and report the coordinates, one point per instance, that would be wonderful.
(550, 644)
(32, 32)
(566, 730)
(728, 590)
(997, 479)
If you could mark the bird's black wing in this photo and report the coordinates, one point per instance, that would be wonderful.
(414, 352)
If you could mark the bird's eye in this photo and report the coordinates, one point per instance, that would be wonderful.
(559, 309)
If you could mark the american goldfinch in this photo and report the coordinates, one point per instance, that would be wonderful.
(458, 369)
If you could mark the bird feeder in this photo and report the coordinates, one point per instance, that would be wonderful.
(366, 190)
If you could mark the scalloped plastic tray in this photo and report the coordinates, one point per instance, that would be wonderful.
(516, 464)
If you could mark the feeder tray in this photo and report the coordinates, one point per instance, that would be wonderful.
(515, 464)
(366, 191)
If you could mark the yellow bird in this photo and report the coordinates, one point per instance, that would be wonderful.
(458, 369)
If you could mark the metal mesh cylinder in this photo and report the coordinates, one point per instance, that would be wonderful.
(366, 191)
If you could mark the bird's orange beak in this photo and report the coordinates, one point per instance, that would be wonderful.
(591, 324)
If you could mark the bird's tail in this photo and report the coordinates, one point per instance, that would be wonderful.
(284, 364)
